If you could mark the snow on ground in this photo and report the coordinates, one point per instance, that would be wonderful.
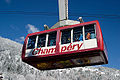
(12, 68)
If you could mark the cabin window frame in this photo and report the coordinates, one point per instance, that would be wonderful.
(71, 30)
(70, 36)
(82, 33)
(28, 42)
(94, 25)
(95, 30)
(37, 39)
(47, 38)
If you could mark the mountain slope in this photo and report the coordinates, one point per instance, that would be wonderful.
(12, 68)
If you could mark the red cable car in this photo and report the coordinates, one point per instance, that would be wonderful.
(65, 47)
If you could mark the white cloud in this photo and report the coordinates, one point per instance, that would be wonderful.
(20, 39)
(8, 1)
(31, 28)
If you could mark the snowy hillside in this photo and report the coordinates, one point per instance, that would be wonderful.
(12, 68)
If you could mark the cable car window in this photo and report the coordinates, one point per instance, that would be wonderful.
(90, 32)
(41, 40)
(31, 42)
(77, 34)
(66, 37)
(52, 39)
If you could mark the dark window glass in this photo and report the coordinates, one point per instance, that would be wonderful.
(77, 34)
(31, 42)
(66, 37)
(52, 39)
(90, 32)
(41, 40)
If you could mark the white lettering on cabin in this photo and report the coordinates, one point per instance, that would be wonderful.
(41, 51)
(70, 47)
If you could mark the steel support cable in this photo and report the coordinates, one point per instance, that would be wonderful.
(56, 14)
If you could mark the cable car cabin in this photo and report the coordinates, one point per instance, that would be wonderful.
(65, 47)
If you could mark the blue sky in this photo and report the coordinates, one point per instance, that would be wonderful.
(15, 23)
